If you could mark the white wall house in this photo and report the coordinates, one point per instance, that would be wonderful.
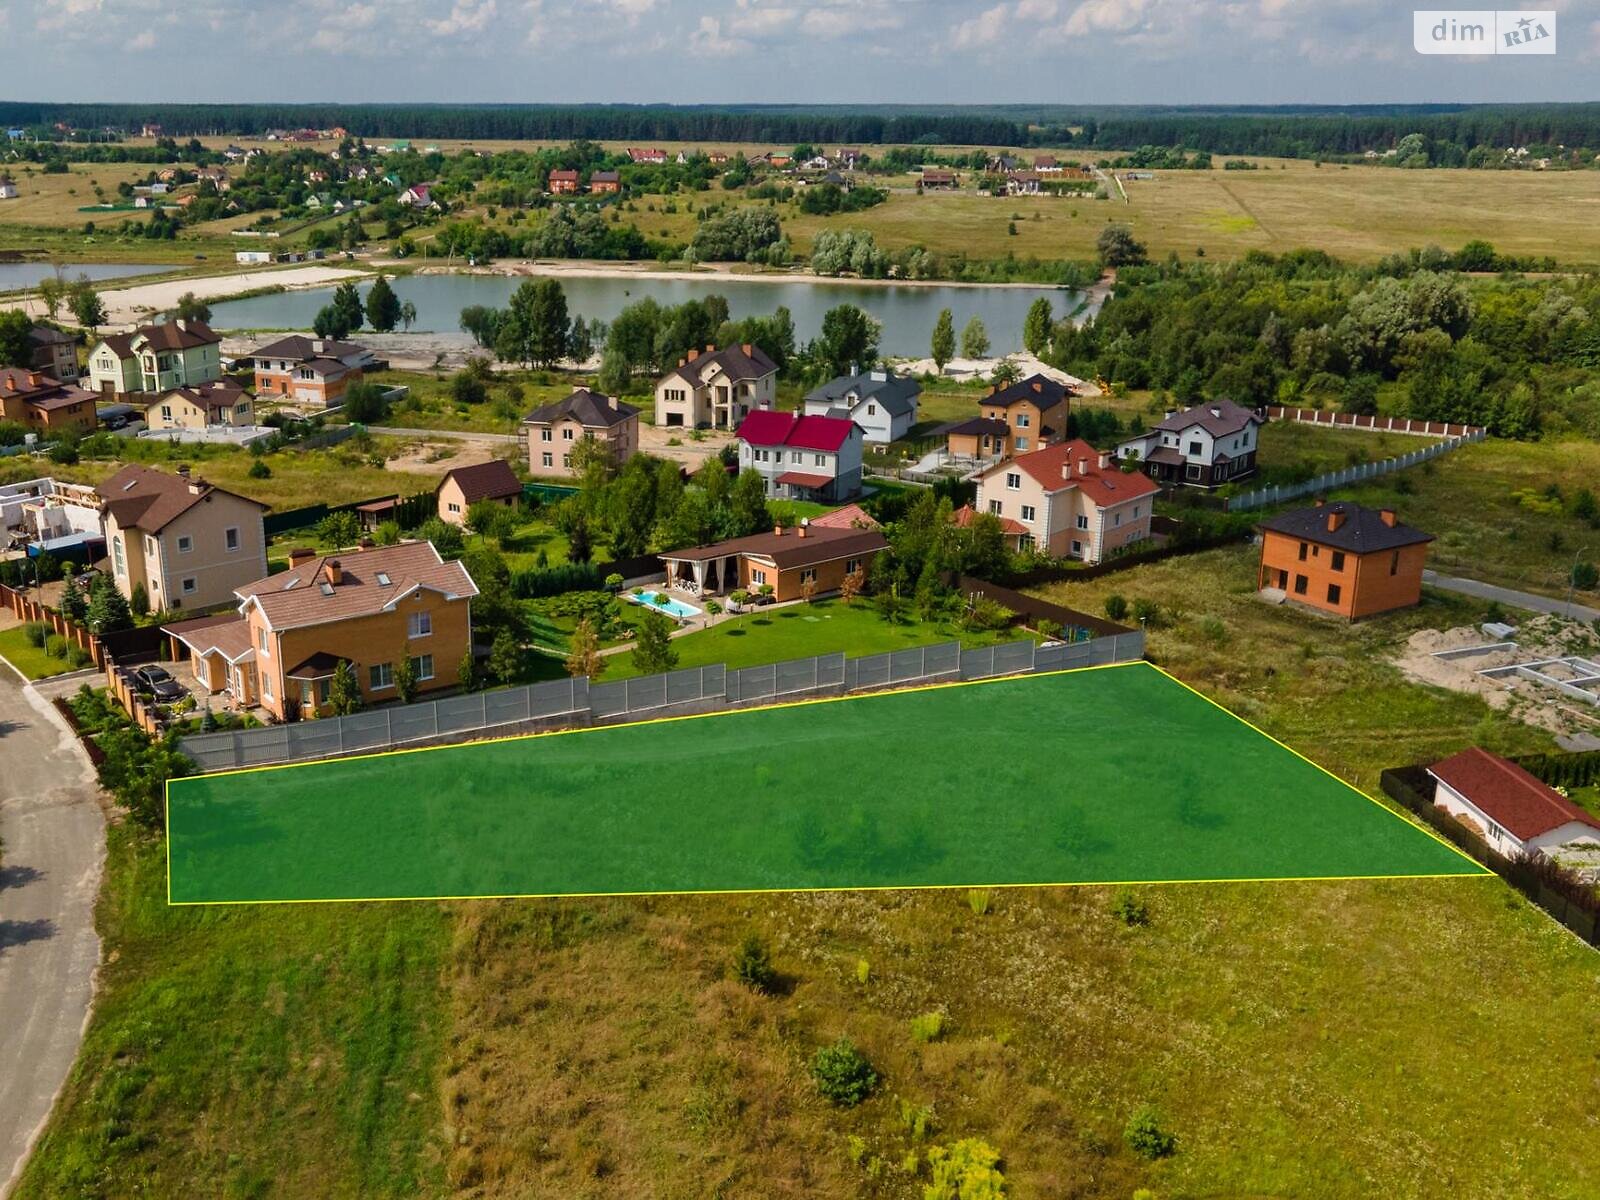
(881, 402)
(802, 458)
(1204, 446)
(1513, 811)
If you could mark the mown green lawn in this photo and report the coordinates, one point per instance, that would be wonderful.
(32, 661)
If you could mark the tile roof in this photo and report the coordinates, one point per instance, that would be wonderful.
(851, 516)
(737, 362)
(493, 480)
(1076, 464)
(40, 390)
(297, 597)
(1041, 390)
(767, 427)
(1219, 418)
(226, 634)
(300, 348)
(897, 394)
(1509, 795)
(977, 426)
(789, 549)
(589, 409)
(1361, 530)
(966, 515)
(141, 498)
(805, 479)
(177, 335)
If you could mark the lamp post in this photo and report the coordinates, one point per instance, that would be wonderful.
(1572, 578)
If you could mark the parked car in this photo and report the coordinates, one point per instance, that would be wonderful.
(156, 682)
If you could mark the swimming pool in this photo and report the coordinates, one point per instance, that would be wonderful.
(664, 603)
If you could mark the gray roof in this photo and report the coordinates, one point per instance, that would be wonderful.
(897, 394)
(1219, 418)
(1362, 531)
(589, 409)
(737, 362)
(301, 348)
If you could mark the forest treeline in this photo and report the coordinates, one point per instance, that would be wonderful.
(1295, 131)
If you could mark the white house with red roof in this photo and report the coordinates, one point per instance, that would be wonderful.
(1513, 811)
(1072, 500)
(802, 458)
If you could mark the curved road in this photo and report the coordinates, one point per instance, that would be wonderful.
(54, 833)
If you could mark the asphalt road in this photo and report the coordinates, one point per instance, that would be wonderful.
(54, 834)
(1523, 600)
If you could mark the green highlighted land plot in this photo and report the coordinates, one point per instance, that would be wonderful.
(1117, 774)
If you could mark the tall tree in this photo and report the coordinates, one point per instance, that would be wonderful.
(108, 608)
(347, 301)
(408, 315)
(584, 657)
(974, 339)
(383, 306)
(747, 505)
(849, 340)
(191, 308)
(87, 308)
(15, 348)
(653, 651)
(1036, 326)
(944, 339)
(331, 321)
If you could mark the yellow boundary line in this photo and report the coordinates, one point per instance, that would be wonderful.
(816, 700)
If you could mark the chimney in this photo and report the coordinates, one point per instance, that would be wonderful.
(1335, 519)
(1386, 515)
(777, 530)
(1171, 412)
(34, 379)
(1038, 386)
(197, 486)
(1083, 466)
(712, 348)
(800, 530)
(300, 555)
(749, 349)
(333, 571)
(692, 355)
(1105, 459)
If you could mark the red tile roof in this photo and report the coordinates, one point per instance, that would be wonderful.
(764, 427)
(966, 514)
(1103, 485)
(1508, 795)
(801, 479)
(370, 581)
(851, 516)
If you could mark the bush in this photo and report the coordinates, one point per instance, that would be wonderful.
(1128, 908)
(843, 1074)
(259, 470)
(36, 634)
(55, 647)
(967, 1170)
(77, 657)
(1585, 576)
(752, 964)
(1146, 1137)
(928, 1027)
(1116, 607)
(1147, 612)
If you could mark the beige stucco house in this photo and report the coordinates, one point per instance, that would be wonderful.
(553, 430)
(1072, 501)
(189, 543)
(716, 389)
(493, 482)
(155, 359)
(222, 402)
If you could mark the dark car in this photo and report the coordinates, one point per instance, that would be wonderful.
(158, 683)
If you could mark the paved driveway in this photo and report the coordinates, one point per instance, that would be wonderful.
(54, 833)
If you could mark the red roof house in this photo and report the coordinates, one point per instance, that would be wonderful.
(802, 458)
(1509, 808)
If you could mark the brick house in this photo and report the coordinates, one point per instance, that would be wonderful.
(1342, 558)
(785, 560)
(716, 388)
(1016, 419)
(156, 358)
(802, 458)
(1205, 446)
(563, 183)
(188, 542)
(605, 183)
(310, 370)
(462, 487)
(222, 402)
(1071, 500)
(44, 404)
(370, 608)
(553, 429)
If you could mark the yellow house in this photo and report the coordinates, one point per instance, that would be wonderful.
(222, 402)
(186, 541)
(371, 608)
(717, 388)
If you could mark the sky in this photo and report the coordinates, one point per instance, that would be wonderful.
(779, 51)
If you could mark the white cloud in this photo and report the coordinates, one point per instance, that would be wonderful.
(836, 20)
(466, 17)
(752, 19)
(708, 40)
(1037, 10)
(982, 30)
(1106, 16)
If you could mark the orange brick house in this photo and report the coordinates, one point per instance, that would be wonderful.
(1022, 417)
(370, 608)
(564, 183)
(605, 183)
(463, 487)
(785, 559)
(45, 404)
(312, 371)
(1344, 559)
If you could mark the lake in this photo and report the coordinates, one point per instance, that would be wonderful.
(28, 274)
(907, 312)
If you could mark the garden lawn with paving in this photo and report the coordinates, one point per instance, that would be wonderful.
(33, 661)
(775, 799)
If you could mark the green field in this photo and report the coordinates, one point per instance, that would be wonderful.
(821, 795)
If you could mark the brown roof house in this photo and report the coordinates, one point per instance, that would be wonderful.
(221, 402)
(1343, 559)
(156, 358)
(45, 404)
(1206, 446)
(716, 389)
(784, 560)
(188, 543)
(553, 430)
(1017, 419)
(371, 608)
(54, 353)
(312, 371)
(1515, 812)
(463, 487)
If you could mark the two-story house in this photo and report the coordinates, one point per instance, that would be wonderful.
(552, 430)
(221, 402)
(45, 405)
(563, 183)
(155, 359)
(187, 542)
(717, 388)
(370, 608)
(1016, 419)
(312, 371)
(54, 353)
(1206, 446)
(1072, 500)
(1343, 558)
(802, 458)
(882, 403)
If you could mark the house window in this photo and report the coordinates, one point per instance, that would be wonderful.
(1302, 552)
(852, 565)
(422, 667)
(1013, 481)
(566, 434)
(420, 624)
(380, 676)
(994, 507)
(872, 410)
(116, 555)
(547, 459)
(1194, 448)
(1192, 471)
(189, 586)
(1077, 549)
(150, 545)
(809, 575)
(757, 576)
(452, 507)
(230, 538)
(546, 435)
(566, 461)
(796, 457)
(1300, 585)
(1394, 563)
(1333, 593)
(1022, 443)
(1338, 560)
(821, 460)
(1083, 520)
(1117, 519)
(1135, 512)
(166, 412)
(1024, 420)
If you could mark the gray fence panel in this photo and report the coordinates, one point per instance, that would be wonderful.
(460, 713)
(872, 671)
(758, 683)
(943, 659)
(830, 670)
(907, 664)
(608, 699)
(365, 731)
(412, 723)
(682, 687)
(507, 707)
(272, 745)
(796, 675)
(977, 663)
(317, 739)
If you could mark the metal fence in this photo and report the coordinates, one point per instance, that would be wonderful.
(580, 702)
(1262, 497)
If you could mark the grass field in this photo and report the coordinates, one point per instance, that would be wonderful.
(28, 658)
(736, 802)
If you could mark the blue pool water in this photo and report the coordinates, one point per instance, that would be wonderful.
(664, 603)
